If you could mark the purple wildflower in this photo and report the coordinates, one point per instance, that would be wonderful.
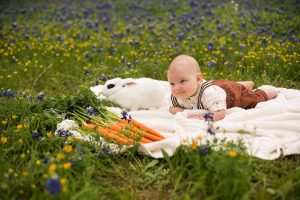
(210, 46)
(122, 59)
(91, 111)
(87, 72)
(208, 117)
(36, 135)
(60, 38)
(103, 78)
(45, 160)
(210, 131)
(242, 46)
(125, 116)
(105, 150)
(64, 133)
(30, 97)
(41, 96)
(128, 65)
(9, 93)
(53, 185)
(180, 35)
(203, 150)
(212, 63)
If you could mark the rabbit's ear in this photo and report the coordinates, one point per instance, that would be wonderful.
(129, 84)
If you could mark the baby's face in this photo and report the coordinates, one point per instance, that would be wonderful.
(184, 82)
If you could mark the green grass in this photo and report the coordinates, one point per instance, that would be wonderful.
(61, 48)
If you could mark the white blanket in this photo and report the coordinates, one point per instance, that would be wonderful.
(273, 127)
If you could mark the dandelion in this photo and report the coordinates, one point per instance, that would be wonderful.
(14, 117)
(68, 148)
(25, 173)
(4, 122)
(19, 126)
(63, 181)
(67, 165)
(199, 137)
(38, 162)
(53, 185)
(49, 134)
(232, 154)
(3, 139)
(52, 168)
(194, 144)
(60, 156)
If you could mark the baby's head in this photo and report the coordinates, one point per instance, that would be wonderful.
(184, 76)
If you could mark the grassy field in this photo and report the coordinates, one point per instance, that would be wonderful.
(51, 52)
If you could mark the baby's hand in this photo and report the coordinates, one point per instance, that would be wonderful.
(200, 117)
(174, 110)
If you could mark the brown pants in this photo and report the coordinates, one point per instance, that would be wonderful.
(239, 96)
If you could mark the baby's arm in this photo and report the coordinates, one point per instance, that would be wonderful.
(174, 110)
(216, 116)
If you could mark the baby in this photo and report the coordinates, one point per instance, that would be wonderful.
(190, 91)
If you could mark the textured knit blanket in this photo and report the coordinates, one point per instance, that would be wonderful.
(270, 130)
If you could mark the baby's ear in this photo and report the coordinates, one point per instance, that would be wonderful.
(199, 76)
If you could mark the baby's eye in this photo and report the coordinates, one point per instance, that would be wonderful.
(172, 84)
(183, 81)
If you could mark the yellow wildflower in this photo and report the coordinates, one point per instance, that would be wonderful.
(49, 134)
(52, 168)
(38, 162)
(63, 181)
(20, 141)
(19, 126)
(14, 116)
(4, 122)
(194, 144)
(25, 173)
(60, 156)
(3, 139)
(232, 154)
(199, 137)
(67, 165)
(68, 148)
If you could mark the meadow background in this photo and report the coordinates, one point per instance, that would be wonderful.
(51, 52)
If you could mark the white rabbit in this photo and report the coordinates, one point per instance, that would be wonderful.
(135, 94)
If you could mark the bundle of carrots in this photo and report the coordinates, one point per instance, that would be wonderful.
(126, 132)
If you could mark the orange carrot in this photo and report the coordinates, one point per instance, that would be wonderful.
(113, 135)
(141, 132)
(90, 126)
(142, 126)
(121, 128)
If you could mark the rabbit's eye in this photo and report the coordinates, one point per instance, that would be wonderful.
(109, 86)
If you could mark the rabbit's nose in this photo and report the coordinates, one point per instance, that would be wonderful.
(109, 86)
